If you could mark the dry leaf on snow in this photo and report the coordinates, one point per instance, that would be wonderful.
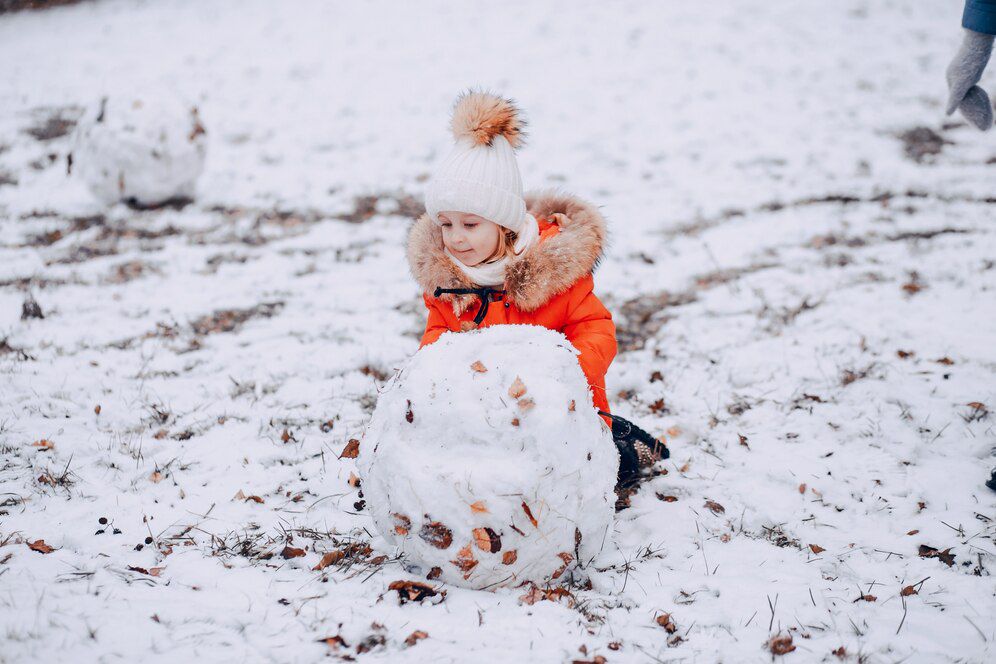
(436, 534)
(487, 540)
(330, 558)
(40, 546)
(517, 389)
(665, 621)
(413, 591)
(290, 552)
(352, 449)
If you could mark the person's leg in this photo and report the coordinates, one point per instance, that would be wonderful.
(637, 450)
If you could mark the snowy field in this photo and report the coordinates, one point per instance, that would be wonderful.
(802, 271)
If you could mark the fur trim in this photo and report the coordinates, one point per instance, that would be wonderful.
(480, 116)
(532, 279)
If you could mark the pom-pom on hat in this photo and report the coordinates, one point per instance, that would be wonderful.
(480, 174)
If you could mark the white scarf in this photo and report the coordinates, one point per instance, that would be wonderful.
(493, 273)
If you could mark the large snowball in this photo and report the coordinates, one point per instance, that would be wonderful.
(142, 151)
(486, 462)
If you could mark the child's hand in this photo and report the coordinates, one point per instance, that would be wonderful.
(964, 72)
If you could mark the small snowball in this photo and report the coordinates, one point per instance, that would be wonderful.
(486, 462)
(140, 150)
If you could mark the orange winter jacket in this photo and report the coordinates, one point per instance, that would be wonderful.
(550, 284)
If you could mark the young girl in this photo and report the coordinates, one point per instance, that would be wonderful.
(485, 254)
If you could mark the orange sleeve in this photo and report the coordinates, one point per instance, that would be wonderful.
(436, 324)
(590, 329)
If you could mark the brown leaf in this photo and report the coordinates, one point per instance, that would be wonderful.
(802, 488)
(255, 499)
(947, 361)
(841, 652)
(434, 573)
(43, 444)
(291, 552)
(531, 596)
(536, 594)
(944, 556)
(239, 496)
(907, 591)
(509, 557)
(436, 534)
(402, 524)
(156, 477)
(515, 421)
(666, 499)
(353, 480)
(155, 571)
(568, 559)
(487, 540)
(816, 548)
(479, 367)
(96, 409)
(743, 440)
(715, 507)
(352, 449)
(517, 389)
(572, 406)
(526, 404)
(465, 561)
(414, 591)
(478, 507)
(529, 514)
(415, 637)
(665, 621)
(330, 558)
(334, 642)
(409, 415)
(40, 546)
(866, 598)
(781, 645)
(913, 532)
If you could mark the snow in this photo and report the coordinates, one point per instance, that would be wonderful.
(766, 222)
(483, 463)
(149, 152)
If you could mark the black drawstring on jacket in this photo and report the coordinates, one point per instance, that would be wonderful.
(484, 293)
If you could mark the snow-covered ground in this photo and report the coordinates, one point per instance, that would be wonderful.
(802, 273)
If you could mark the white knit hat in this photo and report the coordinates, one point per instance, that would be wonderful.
(480, 174)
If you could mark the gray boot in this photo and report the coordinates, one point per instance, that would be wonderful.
(963, 73)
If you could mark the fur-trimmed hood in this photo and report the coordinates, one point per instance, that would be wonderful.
(547, 269)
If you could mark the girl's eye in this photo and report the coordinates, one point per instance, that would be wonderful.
(446, 224)
(470, 225)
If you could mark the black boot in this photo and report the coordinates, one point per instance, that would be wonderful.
(637, 450)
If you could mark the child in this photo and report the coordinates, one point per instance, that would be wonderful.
(485, 254)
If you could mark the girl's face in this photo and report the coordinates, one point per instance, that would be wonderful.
(469, 237)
